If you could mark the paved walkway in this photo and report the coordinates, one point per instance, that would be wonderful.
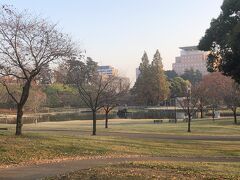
(52, 169)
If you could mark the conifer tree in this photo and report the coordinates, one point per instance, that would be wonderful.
(142, 89)
(151, 86)
(144, 65)
(159, 81)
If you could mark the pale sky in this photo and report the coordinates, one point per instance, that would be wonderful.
(116, 32)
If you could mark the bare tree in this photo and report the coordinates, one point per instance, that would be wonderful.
(212, 89)
(113, 95)
(89, 83)
(200, 93)
(189, 105)
(27, 44)
(216, 89)
(231, 96)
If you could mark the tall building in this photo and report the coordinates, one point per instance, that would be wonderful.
(191, 58)
(107, 70)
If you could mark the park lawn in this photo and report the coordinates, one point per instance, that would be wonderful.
(157, 170)
(51, 140)
(220, 127)
(39, 147)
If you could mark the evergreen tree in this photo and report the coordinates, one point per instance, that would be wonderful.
(144, 65)
(151, 86)
(159, 81)
(178, 87)
(142, 89)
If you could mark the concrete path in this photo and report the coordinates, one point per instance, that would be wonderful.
(52, 169)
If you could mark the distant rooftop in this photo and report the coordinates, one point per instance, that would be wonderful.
(104, 67)
(189, 48)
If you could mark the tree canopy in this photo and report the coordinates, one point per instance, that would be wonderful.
(171, 74)
(222, 39)
(178, 87)
(191, 75)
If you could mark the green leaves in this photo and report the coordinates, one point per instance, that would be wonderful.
(151, 86)
(224, 32)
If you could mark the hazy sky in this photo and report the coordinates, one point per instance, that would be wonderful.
(116, 32)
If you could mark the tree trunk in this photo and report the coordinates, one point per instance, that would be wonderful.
(213, 114)
(189, 120)
(189, 123)
(235, 115)
(201, 112)
(94, 122)
(106, 119)
(175, 114)
(19, 123)
(23, 100)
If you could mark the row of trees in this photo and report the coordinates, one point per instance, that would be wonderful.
(53, 95)
(155, 85)
(96, 90)
(212, 92)
(222, 40)
(28, 47)
(199, 93)
(193, 76)
(216, 90)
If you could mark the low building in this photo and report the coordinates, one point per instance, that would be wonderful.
(191, 58)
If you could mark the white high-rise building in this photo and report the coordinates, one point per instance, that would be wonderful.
(191, 58)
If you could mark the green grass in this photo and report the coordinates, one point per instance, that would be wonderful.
(35, 147)
(199, 127)
(158, 170)
(219, 127)
(42, 141)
